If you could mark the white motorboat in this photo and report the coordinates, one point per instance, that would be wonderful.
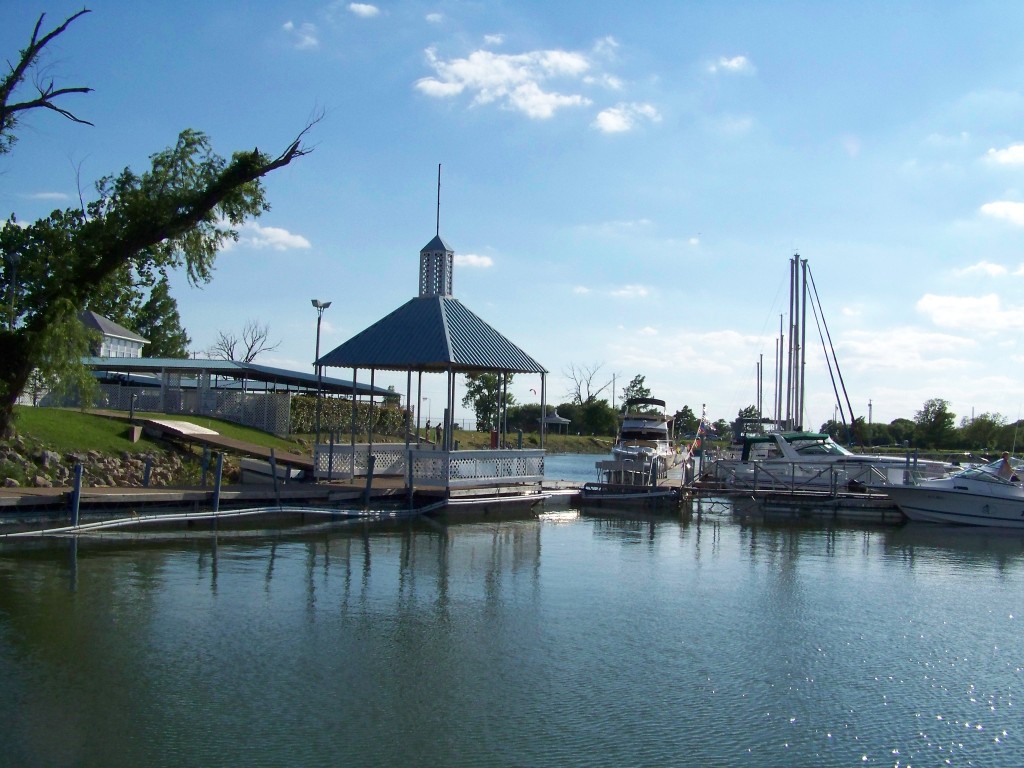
(813, 460)
(982, 495)
(644, 437)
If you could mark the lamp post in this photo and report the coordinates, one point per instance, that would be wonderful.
(428, 409)
(13, 259)
(320, 306)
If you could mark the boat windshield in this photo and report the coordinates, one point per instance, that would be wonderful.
(819, 448)
(990, 472)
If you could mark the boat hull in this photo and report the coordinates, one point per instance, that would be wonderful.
(959, 506)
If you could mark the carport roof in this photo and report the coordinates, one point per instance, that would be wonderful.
(432, 333)
(232, 369)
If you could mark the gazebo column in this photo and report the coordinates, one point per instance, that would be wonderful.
(419, 404)
(369, 422)
(543, 408)
(408, 403)
(352, 429)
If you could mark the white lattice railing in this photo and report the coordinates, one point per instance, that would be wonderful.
(465, 468)
(430, 467)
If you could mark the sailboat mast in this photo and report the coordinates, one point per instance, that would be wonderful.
(803, 341)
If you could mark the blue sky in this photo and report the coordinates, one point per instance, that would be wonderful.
(623, 184)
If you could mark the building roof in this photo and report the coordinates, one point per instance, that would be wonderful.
(437, 244)
(95, 322)
(432, 333)
(231, 369)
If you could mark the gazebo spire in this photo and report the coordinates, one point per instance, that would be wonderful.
(436, 258)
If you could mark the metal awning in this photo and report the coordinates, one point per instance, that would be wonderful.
(155, 366)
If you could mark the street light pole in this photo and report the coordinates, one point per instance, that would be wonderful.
(320, 307)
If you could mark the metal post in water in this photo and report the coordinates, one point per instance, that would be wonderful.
(409, 473)
(218, 475)
(76, 494)
(371, 460)
(273, 474)
(520, 432)
(205, 465)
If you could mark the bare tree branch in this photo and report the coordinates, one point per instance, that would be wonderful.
(47, 91)
(254, 341)
(583, 380)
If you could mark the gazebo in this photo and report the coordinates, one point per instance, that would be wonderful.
(553, 419)
(434, 333)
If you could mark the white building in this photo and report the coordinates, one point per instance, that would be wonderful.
(116, 340)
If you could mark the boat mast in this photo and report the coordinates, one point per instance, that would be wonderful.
(803, 341)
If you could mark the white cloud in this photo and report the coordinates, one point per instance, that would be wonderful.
(904, 349)
(851, 145)
(624, 117)
(733, 125)
(1011, 155)
(253, 235)
(473, 260)
(632, 292)
(581, 289)
(364, 10)
(515, 81)
(606, 47)
(647, 330)
(59, 196)
(982, 268)
(435, 18)
(304, 35)
(611, 82)
(971, 313)
(694, 241)
(494, 39)
(1006, 211)
(622, 228)
(736, 64)
(945, 141)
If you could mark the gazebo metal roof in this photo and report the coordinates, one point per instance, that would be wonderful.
(432, 333)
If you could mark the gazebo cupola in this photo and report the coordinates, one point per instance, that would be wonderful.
(436, 260)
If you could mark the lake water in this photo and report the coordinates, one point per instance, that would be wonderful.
(559, 638)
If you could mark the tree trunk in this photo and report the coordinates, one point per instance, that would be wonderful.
(14, 375)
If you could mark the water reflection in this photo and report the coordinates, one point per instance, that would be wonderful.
(560, 639)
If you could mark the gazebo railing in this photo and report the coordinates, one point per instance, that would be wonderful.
(430, 466)
(454, 469)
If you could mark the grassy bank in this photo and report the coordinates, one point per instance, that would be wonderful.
(66, 430)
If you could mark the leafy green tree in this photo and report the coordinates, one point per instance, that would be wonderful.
(484, 396)
(685, 420)
(598, 418)
(934, 424)
(1009, 436)
(750, 412)
(879, 434)
(123, 298)
(982, 432)
(635, 388)
(176, 214)
(901, 431)
(833, 429)
(158, 320)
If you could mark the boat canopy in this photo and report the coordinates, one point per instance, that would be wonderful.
(645, 401)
